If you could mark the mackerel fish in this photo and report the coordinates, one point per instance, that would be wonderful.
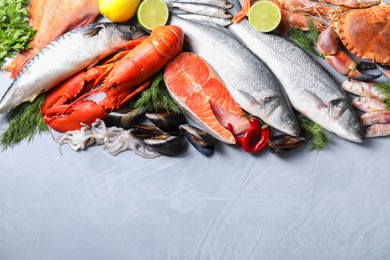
(249, 81)
(218, 3)
(311, 89)
(65, 56)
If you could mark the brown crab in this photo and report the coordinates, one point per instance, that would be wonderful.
(363, 32)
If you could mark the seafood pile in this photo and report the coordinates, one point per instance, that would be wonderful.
(166, 135)
(231, 80)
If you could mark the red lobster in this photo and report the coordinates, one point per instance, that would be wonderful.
(121, 79)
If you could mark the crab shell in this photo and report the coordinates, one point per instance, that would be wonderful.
(366, 33)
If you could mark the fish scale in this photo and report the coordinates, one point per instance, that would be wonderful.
(248, 80)
(310, 88)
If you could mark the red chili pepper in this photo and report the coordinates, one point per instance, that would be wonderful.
(250, 141)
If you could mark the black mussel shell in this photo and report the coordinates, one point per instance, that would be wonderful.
(145, 131)
(282, 143)
(200, 139)
(166, 144)
(124, 117)
(168, 122)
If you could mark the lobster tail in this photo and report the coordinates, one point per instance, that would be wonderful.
(165, 39)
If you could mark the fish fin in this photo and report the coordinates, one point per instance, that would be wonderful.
(337, 107)
(320, 102)
(93, 30)
(17, 64)
(86, 21)
(249, 97)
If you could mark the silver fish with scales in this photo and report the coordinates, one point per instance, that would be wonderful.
(249, 81)
(311, 89)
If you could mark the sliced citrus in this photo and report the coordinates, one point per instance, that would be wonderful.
(152, 13)
(264, 16)
(118, 10)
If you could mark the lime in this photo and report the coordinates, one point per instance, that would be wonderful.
(264, 16)
(152, 13)
(118, 10)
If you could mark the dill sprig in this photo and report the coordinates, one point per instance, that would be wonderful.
(314, 133)
(15, 31)
(24, 122)
(156, 97)
(306, 40)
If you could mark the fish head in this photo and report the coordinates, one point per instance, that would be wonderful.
(343, 120)
(279, 115)
(120, 32)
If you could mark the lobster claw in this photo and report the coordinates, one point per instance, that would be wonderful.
(67, 118)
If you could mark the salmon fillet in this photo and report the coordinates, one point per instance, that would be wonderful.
(51, 19)
(197, 88)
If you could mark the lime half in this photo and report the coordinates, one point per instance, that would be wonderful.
(152, 13)
(264, 16)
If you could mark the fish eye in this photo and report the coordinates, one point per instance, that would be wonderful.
(287, 118)
(354, 123)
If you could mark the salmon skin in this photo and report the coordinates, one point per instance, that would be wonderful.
(249, 81)
(66, 56)
(51, 19)
(197, 88)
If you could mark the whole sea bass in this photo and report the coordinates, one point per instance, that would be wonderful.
(65, 56)
(311, 89)
(249, 81)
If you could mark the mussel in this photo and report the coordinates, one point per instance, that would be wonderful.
(168, 122)
(168, 144)
(200, 139)
(145, 131)
(283, 143)
(124, 117)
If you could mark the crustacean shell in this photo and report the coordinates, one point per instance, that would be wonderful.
(366, 33)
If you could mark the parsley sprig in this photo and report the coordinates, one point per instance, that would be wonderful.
(15, 32)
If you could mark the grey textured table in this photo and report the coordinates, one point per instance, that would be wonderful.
(90, 205)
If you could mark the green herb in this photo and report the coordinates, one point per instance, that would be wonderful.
(156, 97)
(24, 122)
(384, 89)
(313, 32)
(314, 133)
(15, 32)
(306, 40)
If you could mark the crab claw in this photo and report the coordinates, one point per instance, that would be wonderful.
(328, 45)
(363, 67)
(385, 70)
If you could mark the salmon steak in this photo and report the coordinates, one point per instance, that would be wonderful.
(51, 19)
(195, 86)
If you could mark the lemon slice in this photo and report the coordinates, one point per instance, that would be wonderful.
(118, 10)
(152, 13)
(264, 16)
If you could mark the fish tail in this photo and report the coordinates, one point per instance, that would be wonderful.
(16, 66)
